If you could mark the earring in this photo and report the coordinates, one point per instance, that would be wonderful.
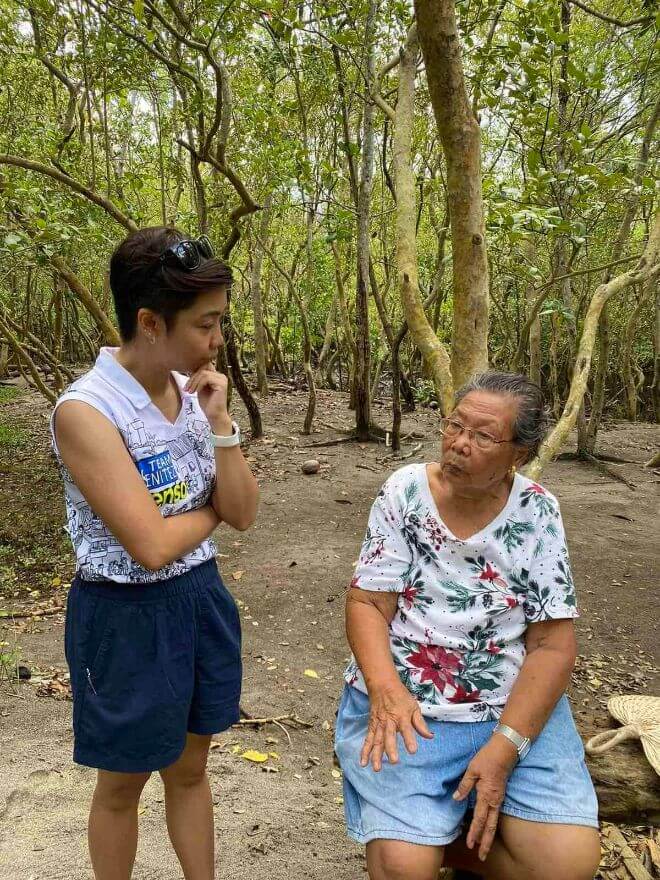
(513, 470)
(152, 339)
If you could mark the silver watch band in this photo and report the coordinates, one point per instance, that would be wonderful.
(522, 743)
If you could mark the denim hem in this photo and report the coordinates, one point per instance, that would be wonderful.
(550, 818)
(396, 834)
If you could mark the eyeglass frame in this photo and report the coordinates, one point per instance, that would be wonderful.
(202, 248)
(472, 434)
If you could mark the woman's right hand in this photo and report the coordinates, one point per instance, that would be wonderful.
(393, 710)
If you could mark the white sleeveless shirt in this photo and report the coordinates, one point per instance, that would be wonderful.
(175, 460)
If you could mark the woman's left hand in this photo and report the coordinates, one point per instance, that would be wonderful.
(211, 389)
(488, 772)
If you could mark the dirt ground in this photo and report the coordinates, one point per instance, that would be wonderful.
(283, 818)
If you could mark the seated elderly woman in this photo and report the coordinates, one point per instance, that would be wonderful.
(460, 618)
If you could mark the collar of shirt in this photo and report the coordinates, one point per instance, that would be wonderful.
(108, 367)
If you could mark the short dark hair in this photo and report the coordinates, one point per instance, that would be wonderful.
(531, 421)
(139, 280)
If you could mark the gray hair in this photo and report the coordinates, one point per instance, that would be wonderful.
(531, 421)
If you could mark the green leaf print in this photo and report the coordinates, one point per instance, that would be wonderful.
(512, 533)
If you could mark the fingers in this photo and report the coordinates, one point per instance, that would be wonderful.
(420, 725)
(466, 785)
(391, 748)
(489, 832)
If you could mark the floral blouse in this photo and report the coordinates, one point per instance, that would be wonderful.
(457, 637)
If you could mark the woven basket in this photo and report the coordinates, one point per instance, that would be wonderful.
(640, 716)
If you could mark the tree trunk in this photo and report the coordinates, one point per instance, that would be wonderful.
(534, 366)
(434, 355)
(460, 136)
(647, 269)
(256, 426)
(655, 390)
(627, 357)
(587, 440)
(260, 345)
(362, 367)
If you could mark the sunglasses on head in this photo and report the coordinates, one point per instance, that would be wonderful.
(188, 253)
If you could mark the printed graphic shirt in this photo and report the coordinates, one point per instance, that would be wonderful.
(463, 606)
(175, 460)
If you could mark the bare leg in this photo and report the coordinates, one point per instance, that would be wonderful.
(113, 824)
(189, 809)
(524, 850)
(399, 860)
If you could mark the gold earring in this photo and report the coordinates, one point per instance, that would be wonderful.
(513, 470)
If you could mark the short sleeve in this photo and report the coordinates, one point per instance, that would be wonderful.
(385, 556)
(549, 591)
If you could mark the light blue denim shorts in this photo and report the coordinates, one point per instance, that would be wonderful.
(412, 800)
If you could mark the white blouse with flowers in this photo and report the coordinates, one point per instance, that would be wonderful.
(457, 637)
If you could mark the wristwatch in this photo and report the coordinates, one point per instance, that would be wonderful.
(232, 439)
(522, 743)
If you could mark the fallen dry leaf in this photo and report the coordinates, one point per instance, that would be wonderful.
(255, 756)
(237, 575)
(311, 673)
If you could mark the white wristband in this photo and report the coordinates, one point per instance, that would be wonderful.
(234, 439)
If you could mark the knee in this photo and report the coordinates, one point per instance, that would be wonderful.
(117, 792)
(390, 860)
(573, 863)
(188, 777)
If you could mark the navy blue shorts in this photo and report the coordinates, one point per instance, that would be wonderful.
(149, 663)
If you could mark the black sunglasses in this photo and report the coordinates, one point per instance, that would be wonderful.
(188, 253)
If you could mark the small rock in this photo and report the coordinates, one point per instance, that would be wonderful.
(311, 466)
(24, 673)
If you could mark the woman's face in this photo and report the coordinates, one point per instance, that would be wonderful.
(464, 463)
(195, 337)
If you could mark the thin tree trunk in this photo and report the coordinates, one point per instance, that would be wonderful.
(362, 367)
(655, 390)
(627, 358)
(257, 304)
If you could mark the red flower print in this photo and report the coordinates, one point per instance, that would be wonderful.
(494, 577)
(463, 696)
(409, 595)
(489, 573)
(510, 601)
(355, 583)
(436, 664)
(493, 648)
(539, 490)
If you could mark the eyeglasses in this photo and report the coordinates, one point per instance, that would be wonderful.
(452, 428)
(188, 253)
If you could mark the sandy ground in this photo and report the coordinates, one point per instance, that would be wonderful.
(284, 819)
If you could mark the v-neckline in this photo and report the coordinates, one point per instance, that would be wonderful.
(179, 394)
(477, 536)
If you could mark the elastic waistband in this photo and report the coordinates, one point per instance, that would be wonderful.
(192, 581)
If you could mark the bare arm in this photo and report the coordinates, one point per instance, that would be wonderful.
(393, 709)
(368, 616)
(94, 453)
(236, 494)
(544, 676)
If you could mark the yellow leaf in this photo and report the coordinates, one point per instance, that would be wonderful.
(274, 755)
(235, 749)
(311, 673)
(56, 582)
(237, 575)
(256, 757)
(336, 773)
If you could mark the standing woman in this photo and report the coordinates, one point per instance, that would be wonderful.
(152, 464)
